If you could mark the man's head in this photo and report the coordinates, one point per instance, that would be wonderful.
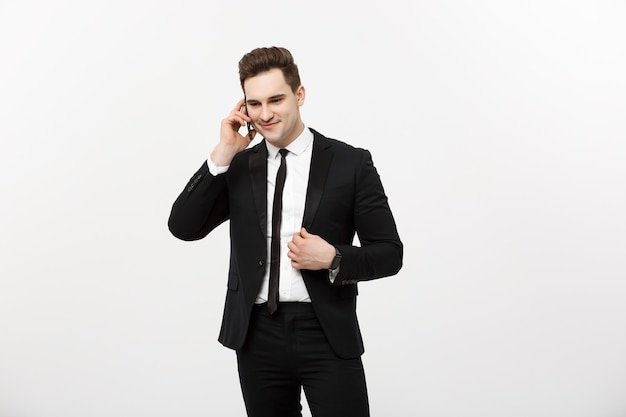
(264, 59)
(273, 94)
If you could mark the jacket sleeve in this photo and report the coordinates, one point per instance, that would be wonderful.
(201, 206)
(380, 251)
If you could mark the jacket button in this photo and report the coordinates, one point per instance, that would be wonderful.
(261, 263)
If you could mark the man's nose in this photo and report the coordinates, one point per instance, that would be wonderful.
(266, 114)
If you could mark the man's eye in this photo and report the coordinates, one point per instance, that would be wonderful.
(275, 100)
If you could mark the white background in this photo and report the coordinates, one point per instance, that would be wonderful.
(498, 129)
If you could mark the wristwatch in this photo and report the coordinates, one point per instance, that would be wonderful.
(335, 264)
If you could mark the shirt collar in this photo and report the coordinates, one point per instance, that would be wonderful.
(297, 147)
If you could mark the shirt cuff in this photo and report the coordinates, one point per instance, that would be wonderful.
(215, 170)
(332, 274)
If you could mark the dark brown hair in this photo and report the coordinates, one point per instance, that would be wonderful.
(264, 59)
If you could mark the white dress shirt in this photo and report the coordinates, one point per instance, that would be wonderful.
(291, 286)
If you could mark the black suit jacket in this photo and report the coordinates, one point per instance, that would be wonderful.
(344, 197)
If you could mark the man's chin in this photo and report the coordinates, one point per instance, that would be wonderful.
(274, 139)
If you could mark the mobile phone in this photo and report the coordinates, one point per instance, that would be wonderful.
(248, 124)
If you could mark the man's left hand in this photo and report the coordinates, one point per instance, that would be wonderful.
(309, 251)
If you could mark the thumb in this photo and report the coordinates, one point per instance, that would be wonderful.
(304, 233)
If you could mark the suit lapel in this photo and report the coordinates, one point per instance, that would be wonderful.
(258, 177)
(320, 162)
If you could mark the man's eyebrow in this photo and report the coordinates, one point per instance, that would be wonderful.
(274, 97)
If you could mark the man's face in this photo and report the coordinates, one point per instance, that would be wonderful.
(274, 108)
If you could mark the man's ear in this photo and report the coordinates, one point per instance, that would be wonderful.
(300, 94)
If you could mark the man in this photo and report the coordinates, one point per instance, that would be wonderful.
(290, 309)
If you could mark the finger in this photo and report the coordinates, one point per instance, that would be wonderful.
(236, 118)
(240, 104)
(243, 116)
(304, 233)
(243, 113)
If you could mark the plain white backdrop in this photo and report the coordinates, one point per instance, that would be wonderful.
(498, 129)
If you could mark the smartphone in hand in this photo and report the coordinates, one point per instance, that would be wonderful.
(248, 124)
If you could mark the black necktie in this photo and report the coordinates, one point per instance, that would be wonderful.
(277, 212)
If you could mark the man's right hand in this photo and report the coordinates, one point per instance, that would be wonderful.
(231, 141)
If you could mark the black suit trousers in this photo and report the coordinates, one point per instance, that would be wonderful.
(288, 351)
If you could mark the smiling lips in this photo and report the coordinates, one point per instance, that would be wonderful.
(268, 125)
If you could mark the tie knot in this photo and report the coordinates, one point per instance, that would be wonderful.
(283, 152)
